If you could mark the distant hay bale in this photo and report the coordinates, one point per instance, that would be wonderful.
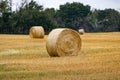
(36, 32)
(63, 42)
(81, 31)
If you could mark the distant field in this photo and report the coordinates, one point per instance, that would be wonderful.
(25, 58)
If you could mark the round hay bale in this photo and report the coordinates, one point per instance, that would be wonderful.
(63, 42)
(81, 31)
(36, 32)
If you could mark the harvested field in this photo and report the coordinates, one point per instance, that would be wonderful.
(25, 58)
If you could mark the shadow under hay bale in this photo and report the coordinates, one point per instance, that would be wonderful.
(63, 42)
(36, 32)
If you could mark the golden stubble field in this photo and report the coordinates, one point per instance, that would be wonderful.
(25, 58)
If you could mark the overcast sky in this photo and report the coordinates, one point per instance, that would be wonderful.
(98, 4)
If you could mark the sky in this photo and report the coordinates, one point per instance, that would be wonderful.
(97, 4)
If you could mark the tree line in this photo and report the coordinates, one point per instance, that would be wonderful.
(69, 15)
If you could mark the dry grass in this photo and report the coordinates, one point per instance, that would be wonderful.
(23, 58)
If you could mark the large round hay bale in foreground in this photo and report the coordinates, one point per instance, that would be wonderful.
(36, 32)
(81, 31)
(63, 42)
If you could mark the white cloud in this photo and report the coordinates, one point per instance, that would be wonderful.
(98, 4)
(53, 3)
(102, 4)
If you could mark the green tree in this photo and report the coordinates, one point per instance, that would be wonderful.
(32, 14)
(5, 15)
(27, 16)
(72, 15)
(51, 16)
(4, 6)
(105, 20)
(113, 17)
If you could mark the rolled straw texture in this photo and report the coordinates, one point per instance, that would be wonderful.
(81, 31)
(63, 42)
(36, 32)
